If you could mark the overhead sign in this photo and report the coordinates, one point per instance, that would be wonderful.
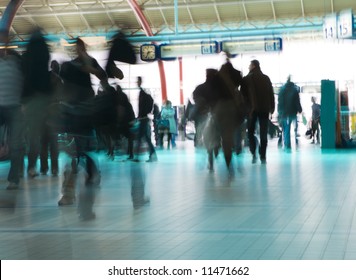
(339, 25)
(209, 47)
(258, 45)
(171, 51)
(345, 24)
(330, 26)
(273, 45)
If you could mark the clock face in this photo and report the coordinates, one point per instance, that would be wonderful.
(148, 52)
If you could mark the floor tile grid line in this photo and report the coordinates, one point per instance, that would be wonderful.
(283, 232)
(314, 233)
(339, 212)
(314, 236)
(353, 220)
(218, 231)
(299, 232)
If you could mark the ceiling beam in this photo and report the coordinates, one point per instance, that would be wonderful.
(136, 9)
(245, 10)
(30, 17)
(273, 11)
(162, 14)
(107, 13)
(190, 14)
(82, 17)
(163, 5)
(147, 7)
(219, 35)
(57, 18)
(302, 6)
(332, 5)
(290, 31)
(217, 12)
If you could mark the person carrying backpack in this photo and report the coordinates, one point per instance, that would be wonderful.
(145, 107)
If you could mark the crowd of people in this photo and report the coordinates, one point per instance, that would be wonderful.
(222, 105)
(253, 98)
(40, 103)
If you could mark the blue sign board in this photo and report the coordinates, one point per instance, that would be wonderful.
(273, 45)
(209, 47)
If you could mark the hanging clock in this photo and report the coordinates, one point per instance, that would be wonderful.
(148, 52)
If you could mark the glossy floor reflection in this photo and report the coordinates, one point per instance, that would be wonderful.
(301, 205)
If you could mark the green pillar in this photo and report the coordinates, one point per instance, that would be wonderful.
(328, 114)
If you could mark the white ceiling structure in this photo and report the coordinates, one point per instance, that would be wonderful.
(172, 19)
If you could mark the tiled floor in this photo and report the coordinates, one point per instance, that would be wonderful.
(301, 205)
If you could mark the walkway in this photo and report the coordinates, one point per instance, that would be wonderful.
(301, 205)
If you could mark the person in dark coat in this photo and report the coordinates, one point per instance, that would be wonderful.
(217, 99)
(37, 94)
(315, 121)
(205, 98)
(49, 137)
(288, 108)
(126, 115)
(145, 107)
(258, 92)
(79, 91)
(156, 116)
(11, 90)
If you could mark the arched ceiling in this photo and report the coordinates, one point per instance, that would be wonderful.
(170, 19)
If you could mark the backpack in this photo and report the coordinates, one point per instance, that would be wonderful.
(147, 103)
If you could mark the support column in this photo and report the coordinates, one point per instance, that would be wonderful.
(181, 96)
(328, 114)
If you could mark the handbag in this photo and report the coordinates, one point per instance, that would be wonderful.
(308, 134)
(163, 124)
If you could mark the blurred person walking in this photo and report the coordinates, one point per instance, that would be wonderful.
(219, 95)
(258, 92)
(79, 91)
(49, 137)
(204, 100)
(11, 115)
(288, 108)
(145, 107)
(37, 95)
(156, 116)
(126, 116)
